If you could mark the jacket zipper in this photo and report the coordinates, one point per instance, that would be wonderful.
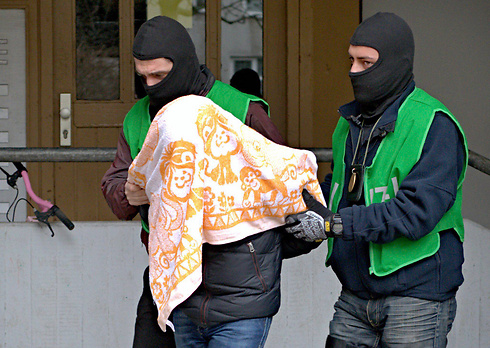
(256, 265)
(205, 302)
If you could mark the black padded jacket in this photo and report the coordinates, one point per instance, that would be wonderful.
(241, 280)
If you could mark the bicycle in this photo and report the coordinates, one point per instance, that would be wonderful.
(46, 208)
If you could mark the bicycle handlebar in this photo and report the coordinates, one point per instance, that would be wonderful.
(47, 208)
(20, 167)
(63, 218)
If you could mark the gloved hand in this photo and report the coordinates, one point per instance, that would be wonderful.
(315, 224)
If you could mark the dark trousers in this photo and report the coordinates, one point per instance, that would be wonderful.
(391, 322)
(147, 332)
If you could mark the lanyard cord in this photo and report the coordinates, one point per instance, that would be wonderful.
(367, 146)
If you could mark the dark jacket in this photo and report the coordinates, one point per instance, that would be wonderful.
(240, 280)
(423, 197)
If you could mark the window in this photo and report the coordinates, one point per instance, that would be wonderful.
(254, 63)
(241, 37)
(97, 44)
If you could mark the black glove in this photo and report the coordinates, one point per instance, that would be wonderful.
(315, 224)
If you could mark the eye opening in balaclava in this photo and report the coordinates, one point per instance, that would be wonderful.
(380, 85)
(164, 37)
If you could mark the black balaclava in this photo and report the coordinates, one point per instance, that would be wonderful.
(380, 85)
(164, 37)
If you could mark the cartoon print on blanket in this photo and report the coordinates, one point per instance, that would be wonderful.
(210, 178)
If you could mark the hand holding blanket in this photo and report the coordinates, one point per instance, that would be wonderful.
(210, 178)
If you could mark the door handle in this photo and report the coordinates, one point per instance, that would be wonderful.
(65, 119)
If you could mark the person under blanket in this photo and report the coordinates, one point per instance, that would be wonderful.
(212, 180)
(167, 63)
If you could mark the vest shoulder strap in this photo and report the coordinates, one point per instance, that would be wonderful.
(232, 100)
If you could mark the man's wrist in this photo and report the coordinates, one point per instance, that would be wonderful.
(334, 226)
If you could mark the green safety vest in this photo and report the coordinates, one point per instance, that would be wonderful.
(398, 152)
(137, 120)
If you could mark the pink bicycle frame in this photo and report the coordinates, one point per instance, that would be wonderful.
(43, 205)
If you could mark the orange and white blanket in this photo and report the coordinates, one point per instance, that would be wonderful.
(210, 178)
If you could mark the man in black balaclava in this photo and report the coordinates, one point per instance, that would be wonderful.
(393, 221)
(231, 290)
(162, 39)
(378, 87)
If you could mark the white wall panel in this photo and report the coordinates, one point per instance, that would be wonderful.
(81, 288)
(77, 289)
(12, 96)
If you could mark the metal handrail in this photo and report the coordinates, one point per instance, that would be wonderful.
(57, 154)
(479, 162)
(107, 154)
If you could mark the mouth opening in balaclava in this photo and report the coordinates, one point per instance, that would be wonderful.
(164, 37)
(379, 86)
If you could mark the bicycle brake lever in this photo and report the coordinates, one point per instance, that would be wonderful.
(11, 178)
(43, 217)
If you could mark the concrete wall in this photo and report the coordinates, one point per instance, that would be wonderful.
(451, 50)
(77, 289)
(81, 287)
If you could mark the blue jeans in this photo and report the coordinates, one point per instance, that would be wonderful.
(392, 321)
(245, 333)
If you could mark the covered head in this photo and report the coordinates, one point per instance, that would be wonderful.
(378, 86)
(164, 37)
(247, 81)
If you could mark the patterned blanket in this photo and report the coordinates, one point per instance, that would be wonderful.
(210, 178)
